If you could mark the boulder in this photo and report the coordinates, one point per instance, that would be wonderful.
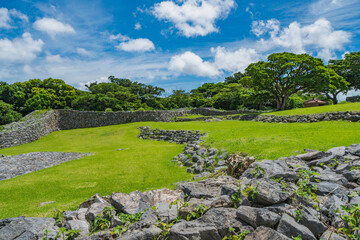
(354, 149)
(311, 155)
(83, 226)
(131, 203)
(96, 209)
(94, 199)
(257, 216)
(289, 227)
(265, 233)
(269, 192)
(337, 151)
(26, 228)
(223, 219)
(208, 188)
(324, 188)
(272, 168)
(150, 233)
(193, 230)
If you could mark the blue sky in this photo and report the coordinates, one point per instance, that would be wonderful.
(175, 44)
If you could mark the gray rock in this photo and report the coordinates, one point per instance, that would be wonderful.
(221, 163)
(166, 213)
(272, 169)
(289, 227)
(131, 203)
(330, 176)
(150, 233)
(208, 188)
(331, 235)
(95, 210)
(198, 169)
(352, 176)
(150, 217)
(334, 202)
(222, 156)
(312, 222)
(69, 215)
(193, 230)
(223, 219)
(212, 151)
(196, 158)
(338, 151)
(265, 233)
(221, 201)
(83, 226)
(80, 214)
(94, 199)
(201, 152)
(355, 200)
(257, 216)
(311, 155)
(26, 228)
(324, 188)
(270, 192)
(191, 207)
(354, 149)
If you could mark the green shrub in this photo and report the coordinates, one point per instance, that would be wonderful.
(7, 114)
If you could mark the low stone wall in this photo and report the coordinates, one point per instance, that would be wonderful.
(353, 99)
(215, 112)
(71, 119)
(31, 128)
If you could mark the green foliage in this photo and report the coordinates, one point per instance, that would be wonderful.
(283, 75)
(199, 211)
(7, 113)
(59, 216)
(65, 234)
(297, 237)
(250, 191)
(258, 171)
(99, 224)
(351, 221)
(236, 236)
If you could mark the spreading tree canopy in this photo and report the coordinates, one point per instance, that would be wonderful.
(284, 74)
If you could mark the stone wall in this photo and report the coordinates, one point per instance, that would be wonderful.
(216, 112)
(31, 128)
(353, 99)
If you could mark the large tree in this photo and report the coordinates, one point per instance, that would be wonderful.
(335, 84)
(348, 68)
(284, 74)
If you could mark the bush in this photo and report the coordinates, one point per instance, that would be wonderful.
(7, 114)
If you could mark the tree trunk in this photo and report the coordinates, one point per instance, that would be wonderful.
(334, 99)
(281, 104)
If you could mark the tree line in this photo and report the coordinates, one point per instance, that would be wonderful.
(283, 81)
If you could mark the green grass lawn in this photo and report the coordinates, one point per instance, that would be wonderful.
(355, 107)
(146, 164)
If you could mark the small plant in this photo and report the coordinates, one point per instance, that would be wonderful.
(65, 234)
(59, 216)
(250, 191)
(298, 237)
(235, 236)
(99, 224)
(118, 230)
(179, 204)
(199, 211)
(127, 220)
(107, 211)
(334, 163)
(258, 172)
(165, 229)
(299, 214)
(45, 234)
(351, 222)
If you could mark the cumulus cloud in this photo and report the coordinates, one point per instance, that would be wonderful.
(189, 63)
(5, 17)
(133, 45)
(234, 61)
(193, 17)
(136, 45)
(22, 49)
(319, 36)
(54, 58)
(82, 85)
(53, 27)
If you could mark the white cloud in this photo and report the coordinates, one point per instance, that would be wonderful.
(84, 52)
(53, 27)
(98, 80)
(133, 45)
(136, 45)
(137, 26)
(22, 49)
(119, 37)
(234, 61)
(5, 17)
(189, 63)
(193, 17)
(319, 36)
